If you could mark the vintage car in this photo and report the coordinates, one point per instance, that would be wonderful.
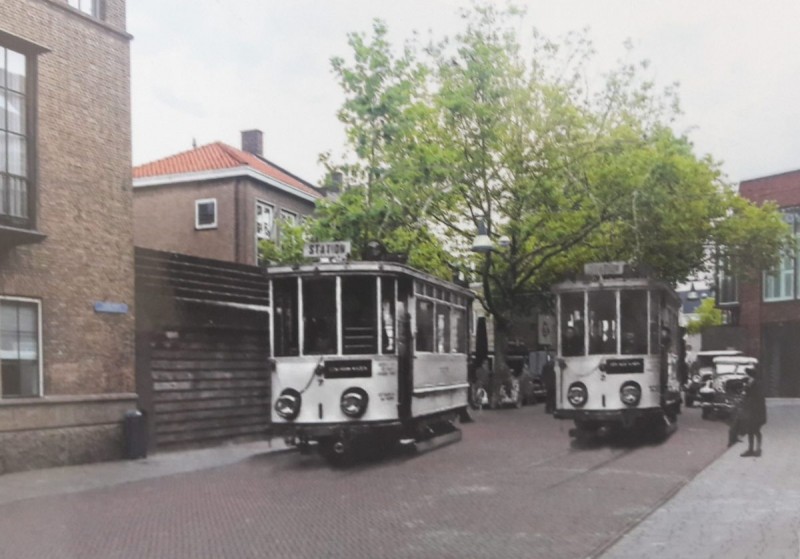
(701, 371)
(517, 388)
(723, 391)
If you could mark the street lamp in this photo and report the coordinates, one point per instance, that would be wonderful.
(482, 243)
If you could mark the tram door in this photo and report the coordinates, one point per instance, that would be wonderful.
(405, 349)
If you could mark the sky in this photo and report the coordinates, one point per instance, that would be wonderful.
(204, 70)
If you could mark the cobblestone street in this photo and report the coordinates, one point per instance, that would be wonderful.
(515, 486)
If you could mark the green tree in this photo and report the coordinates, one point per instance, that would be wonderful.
(566, 174)
(486, 131)
(290, 248)
(384, 96)
(708, 315)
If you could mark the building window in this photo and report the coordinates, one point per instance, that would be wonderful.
(90, 7)
(779, 283)
(20, 356)
(291, 217)
(264, 221)
(205, 213)
(727, 286)
(14, 138)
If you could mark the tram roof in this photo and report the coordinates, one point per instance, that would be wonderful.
(361, 267)
(623, 283)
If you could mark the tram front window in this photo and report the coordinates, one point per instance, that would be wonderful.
(359, 315)
(602, 322)
(572, 324)
(285, 294)
(633, 322)
(319, 316)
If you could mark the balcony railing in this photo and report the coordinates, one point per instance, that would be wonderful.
(14, 201)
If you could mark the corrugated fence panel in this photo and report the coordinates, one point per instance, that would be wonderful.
(209, 385)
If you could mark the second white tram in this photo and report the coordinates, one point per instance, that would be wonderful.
(365, 350)
(617, 355)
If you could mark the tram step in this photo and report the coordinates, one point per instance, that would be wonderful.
(437, 441)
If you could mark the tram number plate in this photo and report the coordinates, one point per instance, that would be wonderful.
(348, 369)
(621, 366)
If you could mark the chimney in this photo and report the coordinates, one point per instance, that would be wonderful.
(253, 142)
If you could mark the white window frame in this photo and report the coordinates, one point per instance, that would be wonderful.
(782, 274)
(197, 204)
(88, 7)
(290, 215)
(271, 236)
(40, 352)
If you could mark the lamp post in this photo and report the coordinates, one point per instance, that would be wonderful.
(482, 244)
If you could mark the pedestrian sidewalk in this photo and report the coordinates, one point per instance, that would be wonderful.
(736, 508)
(73, 479)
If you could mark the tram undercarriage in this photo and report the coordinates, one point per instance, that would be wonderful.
(655, 422)
(340, 443)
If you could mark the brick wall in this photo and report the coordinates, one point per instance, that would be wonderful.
(84, 208)
(769, 325)
(783, 189)
(164, 217)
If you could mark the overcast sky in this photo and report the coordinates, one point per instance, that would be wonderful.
(206, 69)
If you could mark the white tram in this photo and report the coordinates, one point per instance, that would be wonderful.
(617, 353)
(365, 350)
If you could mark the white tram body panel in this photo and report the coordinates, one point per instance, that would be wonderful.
(390, 352)
(617, 351)
(321, 401)
(439, 384)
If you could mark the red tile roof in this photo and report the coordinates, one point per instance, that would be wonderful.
(216, 157)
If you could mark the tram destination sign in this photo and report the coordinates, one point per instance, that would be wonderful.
(604, 268)
(361, 368)
(339, 250)
(622, 366)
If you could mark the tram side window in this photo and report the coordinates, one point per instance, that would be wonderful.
(388, 315)
(442, 328)
(359, 315)
(633, 321)
(602, 322)
(285, 305)
(572, 324)
(319, 316)
(459, 331)
(424, 325)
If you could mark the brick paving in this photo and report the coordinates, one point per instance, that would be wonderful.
(513, 487)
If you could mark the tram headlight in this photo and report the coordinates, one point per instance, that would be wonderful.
(630, 393)
(354, 402)
(577, 394)
(288, 404)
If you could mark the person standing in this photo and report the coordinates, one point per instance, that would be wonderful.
(753, 413)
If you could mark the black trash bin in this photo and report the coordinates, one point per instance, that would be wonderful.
(134, 429)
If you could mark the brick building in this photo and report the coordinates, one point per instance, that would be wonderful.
(763, 317)
(217, 201)
(66, 232)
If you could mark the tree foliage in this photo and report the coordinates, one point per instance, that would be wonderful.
(496, 127)
(708, 315)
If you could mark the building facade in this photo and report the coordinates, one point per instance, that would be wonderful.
(765, 314)
(66, 232)
(217, 201)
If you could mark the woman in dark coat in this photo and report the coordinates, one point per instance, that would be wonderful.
(753, 413)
